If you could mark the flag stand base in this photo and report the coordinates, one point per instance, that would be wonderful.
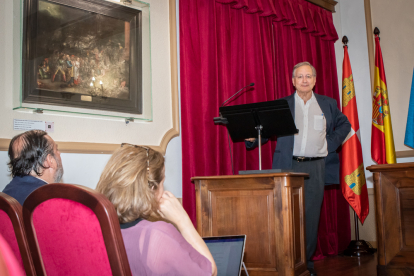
(359, 248)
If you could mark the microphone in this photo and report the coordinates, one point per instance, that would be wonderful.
(252, 84)
(223, 121)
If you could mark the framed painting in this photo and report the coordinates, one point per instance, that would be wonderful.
(82, 53)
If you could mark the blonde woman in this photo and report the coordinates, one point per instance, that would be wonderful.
(133, 180)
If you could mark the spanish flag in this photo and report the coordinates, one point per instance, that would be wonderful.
(353, 182)
(382, 140)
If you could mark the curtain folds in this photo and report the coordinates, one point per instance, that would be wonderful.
(224, 46)
(299, 14)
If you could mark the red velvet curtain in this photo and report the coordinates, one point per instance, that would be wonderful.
(227, 44)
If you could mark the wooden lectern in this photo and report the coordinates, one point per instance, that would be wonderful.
(268, 208)
(394, 199)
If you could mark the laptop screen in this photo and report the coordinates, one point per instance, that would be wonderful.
(227, 252)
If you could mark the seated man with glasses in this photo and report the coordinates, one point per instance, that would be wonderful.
(322, 129)
(133, 180)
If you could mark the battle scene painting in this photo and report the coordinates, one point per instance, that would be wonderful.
(81, 52)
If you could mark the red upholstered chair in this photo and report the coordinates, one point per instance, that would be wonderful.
(12, 230)
(74, 230)
(9, 266)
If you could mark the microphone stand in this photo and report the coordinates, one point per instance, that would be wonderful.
(259, 134)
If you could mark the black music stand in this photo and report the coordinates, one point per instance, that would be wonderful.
(264, 119)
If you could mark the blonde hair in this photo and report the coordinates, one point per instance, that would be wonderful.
(126, 183)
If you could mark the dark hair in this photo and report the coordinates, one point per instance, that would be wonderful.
(28, 152)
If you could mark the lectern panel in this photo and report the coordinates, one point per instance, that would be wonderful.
(267, 208)
(407, 216)
(297, 229)
(246, 212)
(391, 216)
(394, 198)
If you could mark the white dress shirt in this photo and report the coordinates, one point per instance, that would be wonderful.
(311, 122)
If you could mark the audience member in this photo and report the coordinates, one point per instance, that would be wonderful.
(133, 180)
(34, 162)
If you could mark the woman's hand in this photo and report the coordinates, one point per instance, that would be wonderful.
(250, 139)
(172, 210)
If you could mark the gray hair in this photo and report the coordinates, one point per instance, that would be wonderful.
(303, 64)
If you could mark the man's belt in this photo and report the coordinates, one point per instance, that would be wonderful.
(304, 159)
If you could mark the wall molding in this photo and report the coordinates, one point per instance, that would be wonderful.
(404, 153)
(370, 40)
(175, 131)
(78, 147)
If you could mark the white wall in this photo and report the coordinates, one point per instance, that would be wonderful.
(83, 169)
(395, 22)
(349, 20)
(352, 24)
(79, 127)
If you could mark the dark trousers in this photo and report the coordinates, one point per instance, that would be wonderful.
(314, 190)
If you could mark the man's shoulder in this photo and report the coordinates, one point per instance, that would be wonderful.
(21, 186)
(325, 98)
(288, 97)
(27, 179)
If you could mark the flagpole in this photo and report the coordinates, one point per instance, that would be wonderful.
(356, 226)
(357, 247)
(382, 138)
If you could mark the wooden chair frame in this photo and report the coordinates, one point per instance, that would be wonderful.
(98, 203)
(14, 210)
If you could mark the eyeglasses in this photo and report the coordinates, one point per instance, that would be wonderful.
(147, 149)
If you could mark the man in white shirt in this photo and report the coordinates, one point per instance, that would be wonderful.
(322, 129)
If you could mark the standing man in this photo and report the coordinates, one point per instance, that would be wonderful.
(34, 162)
(322, 129)
(69, 70)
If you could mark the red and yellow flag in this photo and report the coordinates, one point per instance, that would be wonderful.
(353, 182)
(382, 140)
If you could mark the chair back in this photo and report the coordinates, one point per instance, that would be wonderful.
(12, 230)
(9, 266)
(74, 230)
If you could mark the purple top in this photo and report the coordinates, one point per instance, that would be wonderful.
(157, 248)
